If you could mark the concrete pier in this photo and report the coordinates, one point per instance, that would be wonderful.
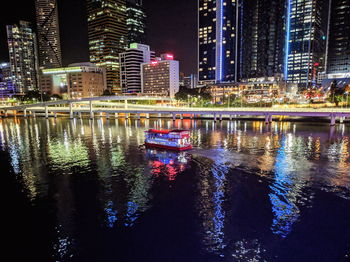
(333, 120)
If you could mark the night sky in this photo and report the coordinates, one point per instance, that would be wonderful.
(172, 27)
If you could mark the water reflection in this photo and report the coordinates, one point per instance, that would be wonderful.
(67, 154)
(287, 188)
(250, 184)
(212, 189)
(248, 251)
(166, 163)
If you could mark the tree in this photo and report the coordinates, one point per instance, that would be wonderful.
(57, 97)
(107, 92)
(236, 101)
(34, 95)
(184, 93)
(336, 93)
(205, 95)
(193, 94)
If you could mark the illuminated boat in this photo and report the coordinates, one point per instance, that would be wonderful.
(168, 139)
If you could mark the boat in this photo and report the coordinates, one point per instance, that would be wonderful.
(168, 139)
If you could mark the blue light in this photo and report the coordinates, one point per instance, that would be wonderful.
(219, 27)
(287, 40)
(285, 193)
(221, 33)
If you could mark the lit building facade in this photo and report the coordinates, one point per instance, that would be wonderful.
(23, 56)
(262, 38)
(48, 33)
(263, 89)
(7, 87)
(136, 21)
(221, 91)
(218, 40)
(160, 77)
(338, 46)
(130, 67)
(108, 37)
(305, 42)
(190, 81)
(79, 80)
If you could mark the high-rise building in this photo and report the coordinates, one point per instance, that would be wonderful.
(108, 37)
(305, 42)
(262, 38)
(160, 77)
(7, 87)
(218, 40)
(338, 46)
(78, 80)
(190, 81)
(130, 67)
(23, 56)
(136, 21)
(48, 33)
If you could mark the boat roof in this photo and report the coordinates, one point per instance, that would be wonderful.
(166, 131)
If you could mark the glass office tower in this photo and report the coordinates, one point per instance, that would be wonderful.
(136, 21)
(108, 37)
(218, 41)
(23, 57)
(339, 37)
(263, 38)
(305, 42)
(48, 33)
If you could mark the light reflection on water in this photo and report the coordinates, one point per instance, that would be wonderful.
(104, 162)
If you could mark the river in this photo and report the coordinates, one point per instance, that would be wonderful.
(82, 190)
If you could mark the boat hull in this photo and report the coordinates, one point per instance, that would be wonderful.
(169, 147)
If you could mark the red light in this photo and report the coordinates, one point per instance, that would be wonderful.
(169, 56)
(316, 64)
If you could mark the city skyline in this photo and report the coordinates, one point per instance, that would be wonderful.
(175, 130)
(160, 35)
(291, 42)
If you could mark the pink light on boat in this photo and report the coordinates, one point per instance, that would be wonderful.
(168, 139)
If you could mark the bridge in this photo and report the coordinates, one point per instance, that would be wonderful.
(93, 107)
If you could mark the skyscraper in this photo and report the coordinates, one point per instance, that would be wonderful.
(136, 21)
(7, 87)
(130, 63)
(218, 40)
(23, 56)
(263, 37)
(108, 37)
(338, 47)
(305, 43)
(48, 33)
(160, 77)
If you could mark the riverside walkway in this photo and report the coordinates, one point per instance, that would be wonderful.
(93, 107)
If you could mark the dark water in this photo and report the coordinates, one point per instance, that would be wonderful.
(88, 191)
